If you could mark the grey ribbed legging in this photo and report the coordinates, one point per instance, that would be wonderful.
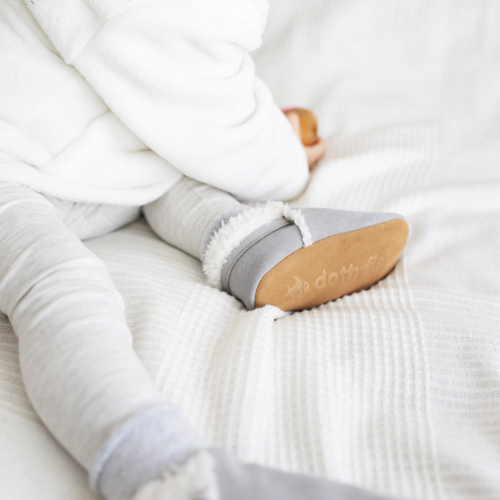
(80, 371)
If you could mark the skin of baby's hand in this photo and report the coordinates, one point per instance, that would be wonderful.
(315, 151)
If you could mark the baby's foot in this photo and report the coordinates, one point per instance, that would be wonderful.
(232, 480)
(297, 259)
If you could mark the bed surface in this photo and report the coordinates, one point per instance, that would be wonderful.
(397, 388)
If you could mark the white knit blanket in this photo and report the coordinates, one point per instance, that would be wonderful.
(397, 388)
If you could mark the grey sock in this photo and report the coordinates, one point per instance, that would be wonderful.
(141, 450)
(184, 215)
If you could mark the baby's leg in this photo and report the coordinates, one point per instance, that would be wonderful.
(190, 213)
(80, 371)
(272, 254)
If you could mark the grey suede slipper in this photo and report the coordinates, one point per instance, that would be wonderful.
(297, 259)
(237, 481)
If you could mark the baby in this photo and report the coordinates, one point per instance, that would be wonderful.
(110, 108)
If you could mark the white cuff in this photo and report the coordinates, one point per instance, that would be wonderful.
(194, 480)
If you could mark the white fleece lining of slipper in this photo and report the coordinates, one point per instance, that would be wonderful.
(237, 228)
(297, 217)
(194, 480)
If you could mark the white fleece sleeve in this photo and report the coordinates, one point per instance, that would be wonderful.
(179, 75)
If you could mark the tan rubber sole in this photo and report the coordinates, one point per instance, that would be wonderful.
(333, 267)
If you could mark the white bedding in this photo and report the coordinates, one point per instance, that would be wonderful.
(396, 389)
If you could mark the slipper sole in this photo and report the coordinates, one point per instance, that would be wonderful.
(333, 267)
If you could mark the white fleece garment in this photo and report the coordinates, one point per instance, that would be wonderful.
(109, 101)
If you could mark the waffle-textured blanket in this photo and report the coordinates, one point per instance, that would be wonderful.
(397, 388)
